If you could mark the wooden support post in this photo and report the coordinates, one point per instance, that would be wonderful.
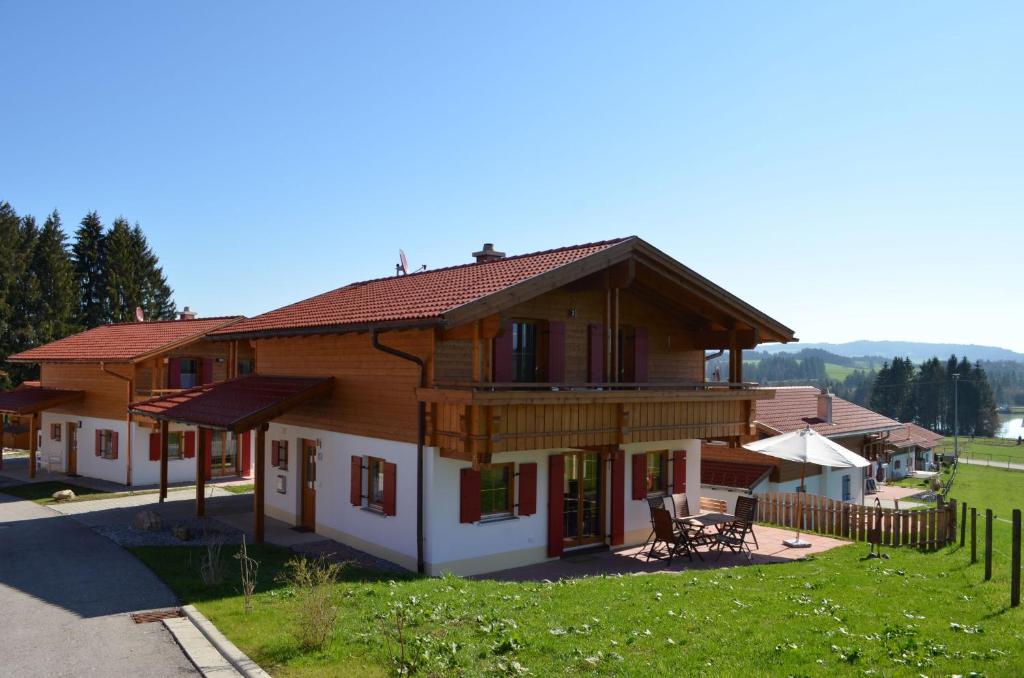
(974, 535)
(1015, 561)
(201, 473)
(963, 524)
(163, 459)
(32, 445)
(259, 490)
(988, 544)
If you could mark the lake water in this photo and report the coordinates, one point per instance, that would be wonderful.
(1010, 426)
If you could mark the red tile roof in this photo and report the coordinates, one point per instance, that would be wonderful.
(731, 473)
(417, 296)
(123, 342)
(28, 400)
(913, 435)
(794, 407)
(235, 405)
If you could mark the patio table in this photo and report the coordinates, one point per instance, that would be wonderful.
(702, 522)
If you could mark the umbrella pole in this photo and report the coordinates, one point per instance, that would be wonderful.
(800, 506)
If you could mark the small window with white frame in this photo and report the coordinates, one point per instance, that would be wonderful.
(55, 432)
(105, 438)
(375, 483)
(175, 445)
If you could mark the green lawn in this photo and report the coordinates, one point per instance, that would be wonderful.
(916, 614)
(838, 372)
(41, 493)
(238, 489)
(994, 450)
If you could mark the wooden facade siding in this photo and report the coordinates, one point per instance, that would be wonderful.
(106, 396)
(375, 392)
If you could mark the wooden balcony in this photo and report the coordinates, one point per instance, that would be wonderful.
(474, 421)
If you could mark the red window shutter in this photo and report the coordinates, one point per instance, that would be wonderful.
(469, 496)
(190, 444)
(556, 352)
(174, 373)
(679, 471)
(207, 370)
(595, 354)
(275, 453)
(113, 444)
(388, 500)
(246, 453)
(503, 354)
(640, 355)
(99, 444)
(556, 504)
(355, 482)
(527, 489)
(207, 454)
(618, 497)
(154, 447)
(640, 475)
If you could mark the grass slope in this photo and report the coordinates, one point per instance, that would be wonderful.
(994, 450)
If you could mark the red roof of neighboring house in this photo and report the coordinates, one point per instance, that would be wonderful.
(913, 435)
(795, 407)
(29, 400)
(732, 473)
(124, 342)
(234, 405)
(416, 296)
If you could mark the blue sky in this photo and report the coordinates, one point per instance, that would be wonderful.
(853, 170)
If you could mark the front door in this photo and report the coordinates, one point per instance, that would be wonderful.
(308, 458)
(583, 499)
(72, 449)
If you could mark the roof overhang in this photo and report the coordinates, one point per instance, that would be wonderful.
(32, 400)
(236, 405)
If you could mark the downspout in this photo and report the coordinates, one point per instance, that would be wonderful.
(128, 382)
(421, 424)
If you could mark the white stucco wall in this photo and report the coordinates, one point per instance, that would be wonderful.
(904, 470)
(829, 483)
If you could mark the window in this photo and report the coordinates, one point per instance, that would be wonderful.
(105, 439)
(496, 485)
(189, 372)
(375, 483)
(524, 351)
(657, 472)
(175, 445)
(847, 495)
(245, 366)
(55, 432)
(897, 464)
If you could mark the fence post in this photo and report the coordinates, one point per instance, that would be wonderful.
(974, 535)
(963, 523)
(988, 544)
(1015, 561)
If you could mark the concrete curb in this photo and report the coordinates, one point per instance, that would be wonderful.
(204, 656)
(228, 650)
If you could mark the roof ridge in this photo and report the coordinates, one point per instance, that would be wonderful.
(170, 320)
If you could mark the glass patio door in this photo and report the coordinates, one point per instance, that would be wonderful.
(583, 505)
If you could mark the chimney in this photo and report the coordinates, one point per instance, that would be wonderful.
(488, 253)
(825, 407)
(186, 314)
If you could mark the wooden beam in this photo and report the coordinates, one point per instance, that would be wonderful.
(259, 490)
(475, 352)
(32, 445)
(723, 339)
(489, 328)
(201, 472)
(164, 426)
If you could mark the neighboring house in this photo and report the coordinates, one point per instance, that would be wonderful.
(79, 410)
(909, 449)
(489, 415)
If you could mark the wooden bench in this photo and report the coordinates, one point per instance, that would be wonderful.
(709, 505)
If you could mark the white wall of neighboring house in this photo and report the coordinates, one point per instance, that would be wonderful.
(829, 483)
(899, 465)
(53, 454)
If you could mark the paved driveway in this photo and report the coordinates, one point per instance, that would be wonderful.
(64, 597)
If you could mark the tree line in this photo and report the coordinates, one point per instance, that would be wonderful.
(50, 288)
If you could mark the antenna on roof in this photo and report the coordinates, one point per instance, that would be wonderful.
(402, 268)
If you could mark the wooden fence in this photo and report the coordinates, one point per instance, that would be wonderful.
(926, 529)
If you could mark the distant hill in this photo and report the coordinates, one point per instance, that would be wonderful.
(916, 351)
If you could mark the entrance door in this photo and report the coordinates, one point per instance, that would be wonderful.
(72, 449)
(583, 499)
(308, 457)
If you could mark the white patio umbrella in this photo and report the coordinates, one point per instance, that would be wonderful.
(806, 446)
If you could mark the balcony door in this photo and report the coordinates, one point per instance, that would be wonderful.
(583, 499)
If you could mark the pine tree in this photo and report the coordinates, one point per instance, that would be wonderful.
(87, 256)
(986, 420)
(157, 302)
(10, 236)
(121, 274)
(23, 299)
(52, 270)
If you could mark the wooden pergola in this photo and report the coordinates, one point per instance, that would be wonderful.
(32, 400)
(235, 406)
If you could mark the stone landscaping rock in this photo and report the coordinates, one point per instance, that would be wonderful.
(181, 532)
(63, 495)
(147, 521)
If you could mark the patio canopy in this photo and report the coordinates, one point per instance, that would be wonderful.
(236, 405)
(33, 399)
